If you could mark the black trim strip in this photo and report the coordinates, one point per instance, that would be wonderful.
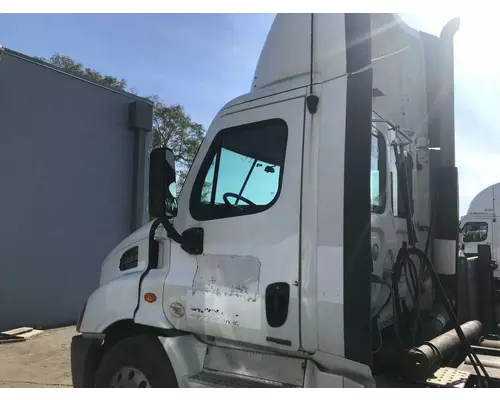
(216, 178)
(301, 216)
(358, 263)
(284, 342)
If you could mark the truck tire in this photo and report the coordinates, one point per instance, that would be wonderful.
(138, 361)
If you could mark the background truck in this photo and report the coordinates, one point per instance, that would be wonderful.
(314, 242)
(479, 225)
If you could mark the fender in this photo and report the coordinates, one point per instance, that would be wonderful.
(186, 354)
(115, 301)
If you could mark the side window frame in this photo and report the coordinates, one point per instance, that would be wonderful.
(382, 168)
(202, 212)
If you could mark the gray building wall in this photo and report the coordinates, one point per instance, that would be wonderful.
(66, 189)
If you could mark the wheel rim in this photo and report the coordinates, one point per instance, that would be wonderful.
(129, 377)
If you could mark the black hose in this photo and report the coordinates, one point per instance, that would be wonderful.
(152, 259)
(153, 252)
(376, 279)
(410, 324)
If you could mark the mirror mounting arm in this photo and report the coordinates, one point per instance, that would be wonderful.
(171, 231)
(191, 240)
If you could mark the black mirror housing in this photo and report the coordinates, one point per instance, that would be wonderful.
(162, 190)
(192, 241)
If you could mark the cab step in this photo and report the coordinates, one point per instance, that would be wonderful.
(245, 368)
(225, 380)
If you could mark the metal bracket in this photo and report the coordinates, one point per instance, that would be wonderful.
(312, 103)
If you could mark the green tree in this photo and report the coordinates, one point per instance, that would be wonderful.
(68, 64)
(172, 127)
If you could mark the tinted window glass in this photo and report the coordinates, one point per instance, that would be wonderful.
(242, 171)
(475, 232)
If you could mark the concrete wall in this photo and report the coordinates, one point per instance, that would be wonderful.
(66, 189)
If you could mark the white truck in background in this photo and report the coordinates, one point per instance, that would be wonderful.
(480, 226)
(306, 248)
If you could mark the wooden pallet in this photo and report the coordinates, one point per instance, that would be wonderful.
(18, 335)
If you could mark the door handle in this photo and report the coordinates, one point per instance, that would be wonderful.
(277, 302)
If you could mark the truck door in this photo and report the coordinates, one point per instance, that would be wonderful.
(244, 190)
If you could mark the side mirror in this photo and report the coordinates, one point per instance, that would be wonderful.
(162, 189)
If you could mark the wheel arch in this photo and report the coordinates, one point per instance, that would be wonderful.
(184, 350)
(118, 331)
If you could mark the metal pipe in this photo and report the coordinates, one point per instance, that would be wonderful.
(447, 209)
(422, 362)
(446, 93)
(492, 344)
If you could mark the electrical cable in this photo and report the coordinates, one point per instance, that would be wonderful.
(405, 264)
(380, 339)
(153, 252)
(375, 279)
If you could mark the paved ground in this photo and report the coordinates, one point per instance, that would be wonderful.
(42, 361)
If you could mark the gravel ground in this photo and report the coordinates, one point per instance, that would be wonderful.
(42, 361)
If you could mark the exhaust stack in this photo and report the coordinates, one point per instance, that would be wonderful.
(446, 237)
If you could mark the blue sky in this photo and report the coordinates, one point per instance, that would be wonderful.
(200, 61)
(477, 98)
(203, 61)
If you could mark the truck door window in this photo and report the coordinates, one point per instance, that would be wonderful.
(475, 232)
(242, 171)
(377, 172)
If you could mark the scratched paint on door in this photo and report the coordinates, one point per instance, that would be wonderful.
(225, 291)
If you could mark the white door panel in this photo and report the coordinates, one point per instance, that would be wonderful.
(245, 255)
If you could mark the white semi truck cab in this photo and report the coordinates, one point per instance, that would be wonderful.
(480, 227)
(306, 246)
